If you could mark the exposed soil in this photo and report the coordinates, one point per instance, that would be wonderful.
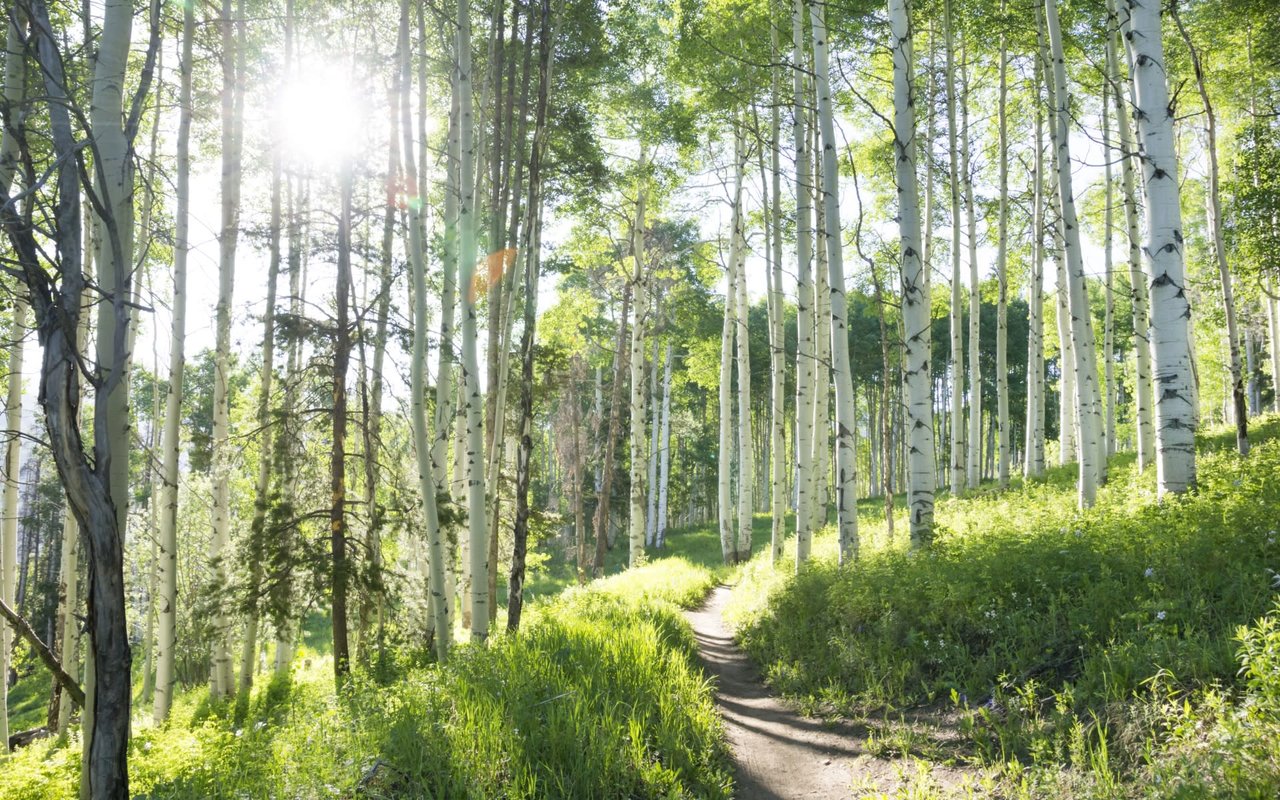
(780, 754)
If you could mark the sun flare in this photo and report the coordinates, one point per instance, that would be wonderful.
(319, 117)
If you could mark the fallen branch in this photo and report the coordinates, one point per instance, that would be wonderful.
(24, 630)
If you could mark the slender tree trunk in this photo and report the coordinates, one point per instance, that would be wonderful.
(1088, 400)
(1033, 459)
(1002, 276)
(1108, 324)
(724, 458)
(777, 332)
(1138, 285)
(655, 435)
(601, 522)
(532, 266)
(737, 263)
(427, 469)
(340, 574)
(805, 366)
(167, 566)
(467, 222)
(635, 522)
(916, 303)
(846, 413)
(664, 466)
(974, 450)
(1213, 197)
(222, 679)
(957, 335)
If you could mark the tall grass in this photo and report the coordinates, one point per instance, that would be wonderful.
(598, 697)
(1073, 645)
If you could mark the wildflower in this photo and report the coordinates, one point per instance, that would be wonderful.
(991, 613)
(1149, 573)
(1160, 616)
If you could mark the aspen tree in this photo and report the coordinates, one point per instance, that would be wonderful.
(916, 317)
(1033, 459)
(724, 457)
(14, 96)
(974, 449)
(222, 678)
(805, 300)
(957, 345)
(472, 399)
(427, 475)
(167, 567)
(640, 281)
(1108, 324)
(737, 263)
(777, 333)
(1002, 276)
(1087, 399)
(1175, 410)
(664, 466)
(1213, 197)
(846, 412)
(1137, 282)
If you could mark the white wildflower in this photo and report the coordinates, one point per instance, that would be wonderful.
(1160, 616)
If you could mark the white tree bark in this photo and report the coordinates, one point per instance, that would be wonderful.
(427, 487)
(804, 296)
(957, 346)
(478, 528)
(916, 303)
(1171, 312)
(973, 472)
(664, 464)
(1213, 198)
(167, 566)
(746, 445)
(846, 413)
(222, 679)
(655, 437)
(1002, 277)
(777, 334)
(1273, 336)
(1033, 460)
(639, 279)
(820, 488)
(1138, 285)
(1108, 324)
(724, 457)
(1088, 400)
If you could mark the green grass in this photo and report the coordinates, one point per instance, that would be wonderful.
(1088, 654)
(598, 696)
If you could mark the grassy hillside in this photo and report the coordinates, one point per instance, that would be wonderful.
(1095, 654)
(599, 696)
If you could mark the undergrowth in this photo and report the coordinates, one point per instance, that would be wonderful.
(1123, 651)
(598, 696)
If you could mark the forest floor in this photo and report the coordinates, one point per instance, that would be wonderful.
(781, 754)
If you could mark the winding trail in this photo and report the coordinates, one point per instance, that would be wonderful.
(777, 752)
(780, 754)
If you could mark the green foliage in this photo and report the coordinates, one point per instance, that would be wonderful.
(598, 696)
(1070, 643)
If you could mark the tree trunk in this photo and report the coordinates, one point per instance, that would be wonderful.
(724, 457)
(1175, 402)
(635, 521)
(846, 413)
(340, 574)
(1108, 323)
(916, 303)
(805, 366)
(427, 470)
(1033, 458)
(737, 263)
(1088, 400)
(664, 466)
(1145, 433)
(222, 679)
(1002, 277)
(957, 335)
(601, 522)
(1213, 197)
(777, 323)
(974, 450)
(532, 250)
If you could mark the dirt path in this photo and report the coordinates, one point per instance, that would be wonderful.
(778, 753)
